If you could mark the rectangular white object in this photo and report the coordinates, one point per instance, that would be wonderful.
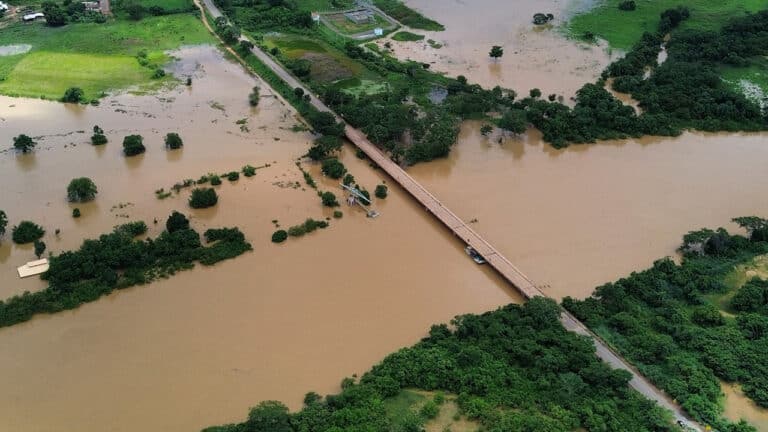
(33, 268)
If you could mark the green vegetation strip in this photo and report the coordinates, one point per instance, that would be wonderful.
(118, 260)
(623, 28)
(689, 326)
(399, 11)
(406, 36)
(514, 369)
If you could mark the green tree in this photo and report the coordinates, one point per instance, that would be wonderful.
(514, 121)
(39, 248)
(81, 189)
(380, 191)
(75, 212)
(750, 297)
(98, 137)
(173, 141)
(27, 232)
(54, 14)
(254, 97)
(333, 168)
(298, 92)
(329, 199)
(133, 145)
(73, 95)
(3, 222)
(24, 143)
(269, 416)
(279, 236)
(496, 52)
(535, 93)
(176, 222)
(203, 198)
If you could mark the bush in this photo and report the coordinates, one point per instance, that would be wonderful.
(39, 248)
(254, 97)
(430, 410)
(329, 199)
(381, 191)
(176, 222)
(27, 232)
(233, 176)
(73, 95)
(249, 171)
(24, 143)
(348, 179)
(173, 141)
(159, 73)
(203, 198)
(81, 189)
(98, 139)
(75, 212)
(337, 214)
(333, 168)
(627, 5)
(133, 145)
(215, 180)
(3, 222)
(279, 236)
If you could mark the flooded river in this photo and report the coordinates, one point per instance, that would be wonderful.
(200, 348)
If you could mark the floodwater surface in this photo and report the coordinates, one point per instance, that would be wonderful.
(202, 347)
(738, 406)
(534, 56)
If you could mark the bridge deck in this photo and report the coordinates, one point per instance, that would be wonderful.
(446, 216)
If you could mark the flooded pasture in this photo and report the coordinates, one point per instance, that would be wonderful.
(534, 56)
(201, 347)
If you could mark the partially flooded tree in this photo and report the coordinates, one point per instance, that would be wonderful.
(173, 141)
(24, 143)
(39, 248)
(133, 145)
(254, 97)
(81, 189)
(3, 222)
(73, 95)
(496, 52)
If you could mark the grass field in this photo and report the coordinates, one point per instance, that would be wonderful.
(347, 27)
(168, 4)
(752, 80)
(95, 57)
(325, 5)
(622, 29)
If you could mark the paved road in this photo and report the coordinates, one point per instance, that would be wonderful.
(514, 276)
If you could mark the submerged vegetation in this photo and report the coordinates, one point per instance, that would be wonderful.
(119, 260)
(512, 369)
(689, 326)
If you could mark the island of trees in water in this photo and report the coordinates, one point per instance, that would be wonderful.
(119, 260)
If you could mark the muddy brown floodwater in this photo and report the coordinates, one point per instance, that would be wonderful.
(534, 56)
(200, 348)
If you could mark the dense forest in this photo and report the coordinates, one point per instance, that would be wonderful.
(513, 369)
(684, 327)
(119, 260)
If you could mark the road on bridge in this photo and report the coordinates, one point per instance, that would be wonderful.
(470, 237)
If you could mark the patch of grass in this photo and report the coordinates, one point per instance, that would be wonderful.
(325, 5)
(623, 28)
(406, 36)
(94, 57)
(168, 4)
(399, 11)
(399, 406)
(357, 86)
(754, 75)
(48, 74)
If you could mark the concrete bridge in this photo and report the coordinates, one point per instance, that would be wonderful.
(467, 235)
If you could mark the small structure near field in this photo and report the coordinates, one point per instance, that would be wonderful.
(92, 6)
(33, 268)
(3, 6)
(361, 16)
(315, 17)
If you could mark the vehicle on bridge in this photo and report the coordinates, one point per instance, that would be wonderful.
(476, 257)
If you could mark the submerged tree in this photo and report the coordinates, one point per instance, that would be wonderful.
(24, 143)
(3, 222)
(39, 248)
(133, 145)
(81, 189)
(496, 52)
(73, 95)
(173, 141)
(27, 232)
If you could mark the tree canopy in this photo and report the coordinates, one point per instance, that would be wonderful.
(24, 143)
(81, 189)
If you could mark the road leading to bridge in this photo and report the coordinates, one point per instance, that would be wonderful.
(467, 235)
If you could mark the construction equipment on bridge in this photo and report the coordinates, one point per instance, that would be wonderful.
(355, 196)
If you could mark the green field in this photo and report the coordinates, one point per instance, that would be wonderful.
(755, 75)
(622, 29)
(95, 57)
(168, 4)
